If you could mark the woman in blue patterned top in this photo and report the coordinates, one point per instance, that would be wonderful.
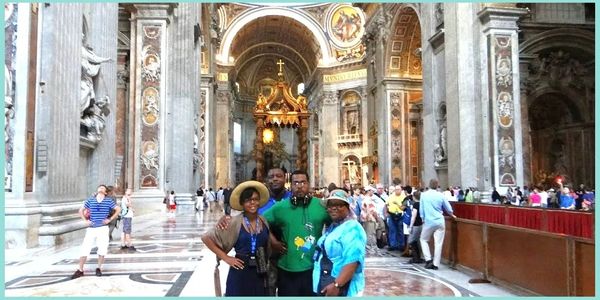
(340, 256)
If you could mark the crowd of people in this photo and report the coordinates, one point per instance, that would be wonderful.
(309, 241)
(563, 197)
(315, 241)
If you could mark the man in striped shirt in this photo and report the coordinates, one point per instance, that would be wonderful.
(99, 207)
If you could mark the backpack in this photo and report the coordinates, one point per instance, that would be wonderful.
(124, 209)
(407, 211)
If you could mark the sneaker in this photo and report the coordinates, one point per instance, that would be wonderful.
(132, 248)
(428, 263)
(77, 274)
(431, 267)
(124, 247)
(98, 272)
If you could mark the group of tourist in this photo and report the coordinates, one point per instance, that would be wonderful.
(291, 243)
(563, 197)
(294, 243)
(299, 245)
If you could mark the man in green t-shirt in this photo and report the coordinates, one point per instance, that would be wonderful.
(300, 219)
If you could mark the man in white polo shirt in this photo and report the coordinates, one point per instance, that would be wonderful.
(95, 212)
(433, 203)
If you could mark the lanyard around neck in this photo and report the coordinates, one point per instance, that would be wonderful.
(252, 234)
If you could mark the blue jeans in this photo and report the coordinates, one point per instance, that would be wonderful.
(396, 234)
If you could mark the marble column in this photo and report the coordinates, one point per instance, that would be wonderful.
(223, 146)
(260, 147)
(376, 38)
(121, 122)
(22, 211)
(525, 61)
(150, 57)
(102, 19)
(502, 49)
(206, 133)
(434, 89)
(329, 150)
(464, 148)
(302, 161)
(65, 172)
(183, 90)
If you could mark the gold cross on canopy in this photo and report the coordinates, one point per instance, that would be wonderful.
(349, 162)
(280, 63)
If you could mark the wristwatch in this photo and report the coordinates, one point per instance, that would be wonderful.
(337, 286)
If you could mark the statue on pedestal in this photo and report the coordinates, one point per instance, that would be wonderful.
(92, 110)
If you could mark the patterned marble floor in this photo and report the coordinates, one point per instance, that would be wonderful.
(171, 260)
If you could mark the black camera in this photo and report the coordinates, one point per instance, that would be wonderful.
(261, 261)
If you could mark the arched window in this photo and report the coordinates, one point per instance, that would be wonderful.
(300, 88)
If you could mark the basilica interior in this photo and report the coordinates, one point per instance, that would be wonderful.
(178, 96)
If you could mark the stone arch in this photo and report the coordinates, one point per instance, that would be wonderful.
(309, 22)
(402, 54)
(564, 38)
(559, 103)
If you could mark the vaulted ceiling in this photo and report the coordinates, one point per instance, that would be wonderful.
(263, 42)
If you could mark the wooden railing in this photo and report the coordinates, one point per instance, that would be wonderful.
(567, 222)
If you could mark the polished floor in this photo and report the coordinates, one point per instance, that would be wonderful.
(171, 260)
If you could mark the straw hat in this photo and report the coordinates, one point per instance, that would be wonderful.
(262, 190)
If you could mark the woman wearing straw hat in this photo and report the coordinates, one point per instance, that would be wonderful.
(340, 255)
(248, 234)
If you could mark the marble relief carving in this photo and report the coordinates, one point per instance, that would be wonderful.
(150, 64)
(396, 131)
(201, 126)
(504, 107)
(150, 102)
(10, 31)
(149, 155)
(330, 98)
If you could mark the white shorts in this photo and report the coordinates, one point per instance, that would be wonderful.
(95, 236)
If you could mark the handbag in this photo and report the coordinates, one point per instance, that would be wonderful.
(325, 277)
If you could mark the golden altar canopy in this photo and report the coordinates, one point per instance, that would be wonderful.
(281, 109)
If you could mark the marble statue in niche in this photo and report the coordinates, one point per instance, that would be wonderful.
(90, 67)
(440, 149)
(352, 122)
(92, 110)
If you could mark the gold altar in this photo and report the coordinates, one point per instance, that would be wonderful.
(281, 109)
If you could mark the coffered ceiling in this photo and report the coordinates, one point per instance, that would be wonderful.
(258, 47)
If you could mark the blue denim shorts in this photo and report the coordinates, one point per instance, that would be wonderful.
(127, 225)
